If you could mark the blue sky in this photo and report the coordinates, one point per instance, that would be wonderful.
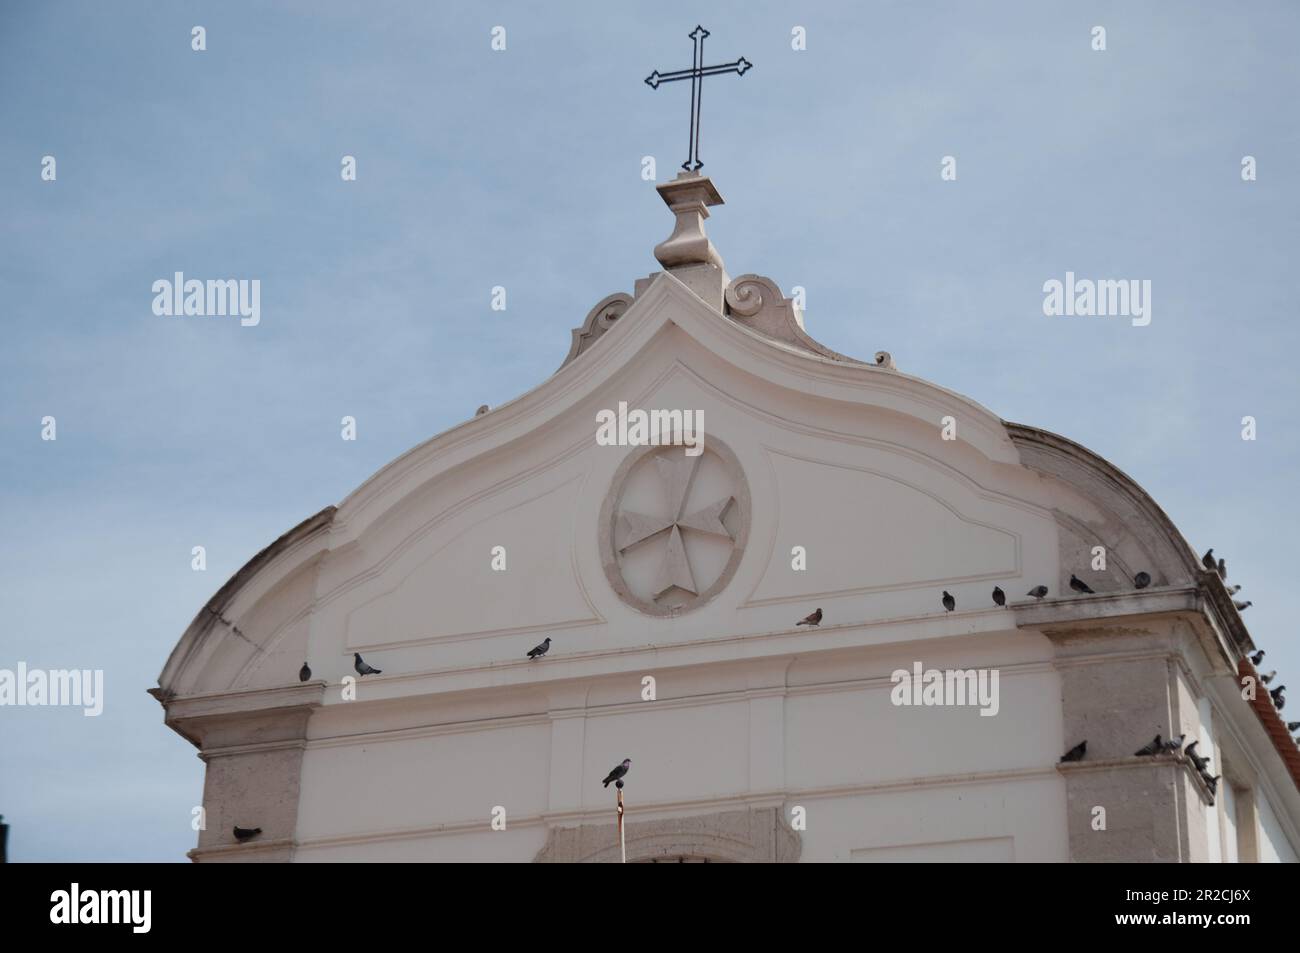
(522, 169)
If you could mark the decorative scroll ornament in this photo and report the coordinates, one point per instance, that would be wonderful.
(599, 320)
(757, 303)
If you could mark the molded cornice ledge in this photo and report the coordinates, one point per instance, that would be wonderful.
(225, 719)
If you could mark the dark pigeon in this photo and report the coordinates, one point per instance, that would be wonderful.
(1078, 585)
(1257, 657)
(618, 773)
(246, 833)
(1173, 744)
(1141, 580)
(1213, 783)
(362, 668)
(1196, 759)
(540, 650)
(1293, 726)
(1037, 592)
(999, 597)
(1208, 560)
(1276, 695)
(1149, 750)
(1223, 569)
(949, 602)
(815, 619)
(304, 673)
(1242, 606)
(1269, 677)
(1076, 753)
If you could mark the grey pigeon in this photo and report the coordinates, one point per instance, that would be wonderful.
(618, 773)
(1076, 753)
(244, 833)
(1242, 606)
(1141, 580)
(1149, 750)
(1257, 657)
(1196, 759)
(999, 597)
(362, 668)
(1276, 695)
(304, 673)
(540, 650)
(1213, 783)
(1173, 744)
(1037, 592)
(813, 619)
(1293, 726)
(1269, 677)
(1078, 585)
(1208, 560)
(1223, 569)
(949, 603)
(1233, 590)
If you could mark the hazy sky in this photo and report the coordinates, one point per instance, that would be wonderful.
(522, 169)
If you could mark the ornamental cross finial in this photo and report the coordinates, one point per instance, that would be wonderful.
(696, 75)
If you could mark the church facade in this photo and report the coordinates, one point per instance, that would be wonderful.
(698, 478)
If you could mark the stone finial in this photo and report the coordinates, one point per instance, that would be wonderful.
(687, 252)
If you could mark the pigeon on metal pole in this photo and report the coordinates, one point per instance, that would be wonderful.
(618, 773)
(362, 668)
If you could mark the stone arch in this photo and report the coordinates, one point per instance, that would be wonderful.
(754, 836)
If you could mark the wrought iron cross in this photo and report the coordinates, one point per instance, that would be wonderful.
(696, 75)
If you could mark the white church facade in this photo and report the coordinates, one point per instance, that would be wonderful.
(669, 580)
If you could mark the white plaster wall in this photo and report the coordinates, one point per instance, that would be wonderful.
(1273, 845)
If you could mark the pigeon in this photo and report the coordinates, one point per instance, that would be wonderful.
(244, 833)
(1233, 590)
(1257, 657)
(999, 597)
(1276, 695)
(1213, 783)
(1078, 585)
(1223, 569)
(540, 650)
(1149, 750)
(1208, 560)
(1269, 677)
(1076, 753)
(1293, 726)
(362, 668)
(1173, 744)
(618, 773)
(1196, 759)
(304, 673)
(949, 603)
(813, 620)
(1242, 606)
(1141, 580)
(1037, 592)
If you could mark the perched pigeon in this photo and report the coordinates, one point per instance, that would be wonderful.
(1196, 759)
(1257, 657)
(1233, 590)
(244, 833)
(304, 673)
(1223, 569)
(1037, 592)
(362, 668)
(1152, 749)
(1242, 606)
(1208, 560)
(813, 620)
(949, 602)
(618, 773)
(1269, 677)
(1213, 783)
(1173, 744)
(999, 597)
(1141, 580)
(1076, 753)
(1078, 585)
(1276, 695)
(1293, 726)
(540, 650)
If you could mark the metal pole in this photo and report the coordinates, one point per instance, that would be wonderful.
(622, 843)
